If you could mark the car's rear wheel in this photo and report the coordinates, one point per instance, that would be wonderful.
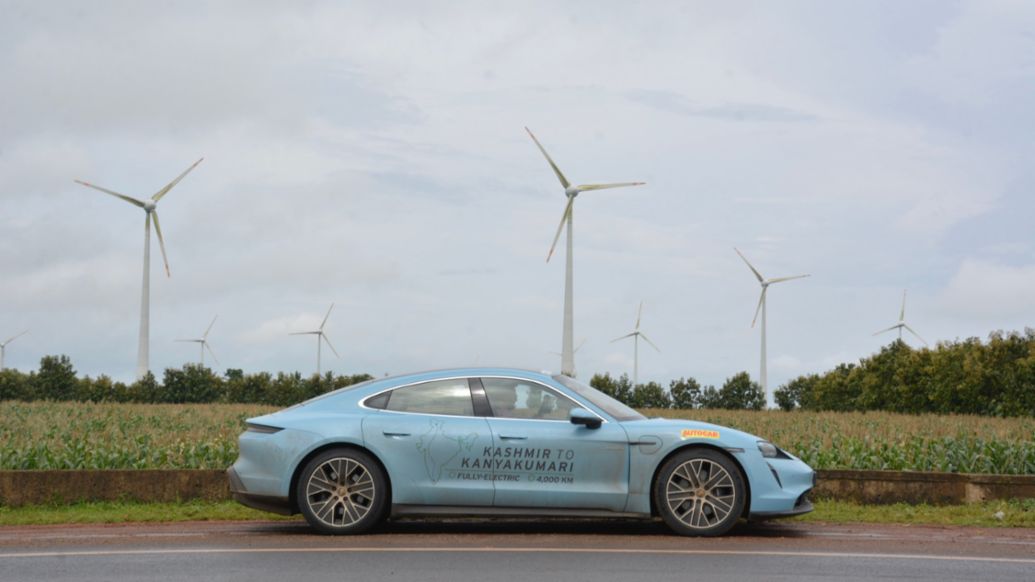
(700, 492)
(342, 491)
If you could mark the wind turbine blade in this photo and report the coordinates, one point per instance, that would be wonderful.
(902, 314)
(914, 333)
(639, 314)
(750, 266)
(556, 170)
(782, 279)
(560, 227)
(576, 350)
(158, 195)
(304, 333)
(623, 337)
(161, 241)
(761, 300)
(326, 316)
(129, 199)
(894, 327)
(12, 338)
(587, 187)
(205, 344)
(187, 340)
(651, 343)
(328, 340)
(210, 327)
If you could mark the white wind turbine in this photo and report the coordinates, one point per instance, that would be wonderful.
(149, 206)
(203, 341)
(567, 334)
(636, 335)
(3, 346)
(765, 283)
(320, 338)
(902, 323)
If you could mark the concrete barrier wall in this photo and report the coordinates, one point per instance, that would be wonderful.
(35, 487)
(916, 487)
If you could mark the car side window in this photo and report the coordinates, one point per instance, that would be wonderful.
(512, 398)
(450, 397)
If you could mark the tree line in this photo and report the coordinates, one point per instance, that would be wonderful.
(993, 378)
(56, 379)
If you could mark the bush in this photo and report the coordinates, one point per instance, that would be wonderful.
(620, 389)
(737, 393)
(686, 393)
(55, 380)
(192, 383)
(650, 395)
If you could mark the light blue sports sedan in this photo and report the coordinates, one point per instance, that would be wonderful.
(504, 442)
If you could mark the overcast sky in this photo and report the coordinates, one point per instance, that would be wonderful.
(374, 155)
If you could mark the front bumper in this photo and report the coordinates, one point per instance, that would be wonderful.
(802, 506)
(273, 504)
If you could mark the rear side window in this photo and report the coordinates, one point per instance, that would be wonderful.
(379, 401)
(449, 397)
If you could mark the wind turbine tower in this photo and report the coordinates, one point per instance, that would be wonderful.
(765, 283)
(636, 335)
(149, 206)
(570, 191)
(321, 337)
(203, 343)
(902, 323)
(3, 347)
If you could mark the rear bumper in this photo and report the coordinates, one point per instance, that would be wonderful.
(272, 504)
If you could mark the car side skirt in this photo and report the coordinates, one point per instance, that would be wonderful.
(489, 511)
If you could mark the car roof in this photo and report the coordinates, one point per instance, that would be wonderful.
(455, 372)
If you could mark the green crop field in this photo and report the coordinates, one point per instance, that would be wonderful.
(75, 435)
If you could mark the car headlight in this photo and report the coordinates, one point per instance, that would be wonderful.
(768, 449)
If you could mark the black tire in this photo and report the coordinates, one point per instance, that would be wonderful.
(700, 492)
(342, 491)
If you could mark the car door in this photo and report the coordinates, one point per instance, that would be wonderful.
(541, 459)
(425, 434)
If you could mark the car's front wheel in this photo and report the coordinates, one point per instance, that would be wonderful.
(342, 491)
(700, 492)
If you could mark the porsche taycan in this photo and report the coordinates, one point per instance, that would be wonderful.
(506, 442)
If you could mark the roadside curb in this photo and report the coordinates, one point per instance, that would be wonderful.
(19, 488)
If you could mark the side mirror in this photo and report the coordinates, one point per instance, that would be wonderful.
(585, 418)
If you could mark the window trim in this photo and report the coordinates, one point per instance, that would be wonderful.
(548, 387)
(474, 414)
(474, 399)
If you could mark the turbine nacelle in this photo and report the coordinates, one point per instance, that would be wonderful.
(149, 205)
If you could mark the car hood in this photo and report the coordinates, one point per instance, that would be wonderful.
(669, 429)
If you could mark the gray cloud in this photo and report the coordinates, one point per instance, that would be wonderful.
(377, 158)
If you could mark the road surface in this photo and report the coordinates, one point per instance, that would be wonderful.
(491, 551)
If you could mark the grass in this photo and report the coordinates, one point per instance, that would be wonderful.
(1014, 513)
(132, 512)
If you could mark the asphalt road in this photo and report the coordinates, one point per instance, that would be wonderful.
(489, 551)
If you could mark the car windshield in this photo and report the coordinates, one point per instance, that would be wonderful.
(613, 407)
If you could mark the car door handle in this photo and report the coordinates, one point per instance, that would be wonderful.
(513, 438)
(395, 434)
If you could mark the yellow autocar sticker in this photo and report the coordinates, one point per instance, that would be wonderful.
(697, 433)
